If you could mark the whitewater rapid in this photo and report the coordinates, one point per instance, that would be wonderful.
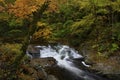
(65, 56)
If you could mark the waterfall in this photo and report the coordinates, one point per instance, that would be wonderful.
(64, 55)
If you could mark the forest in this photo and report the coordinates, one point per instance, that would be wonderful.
(92, 27)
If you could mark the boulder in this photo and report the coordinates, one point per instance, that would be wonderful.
(51, 77)
(40, 65)
(33, 51)
(43, 62)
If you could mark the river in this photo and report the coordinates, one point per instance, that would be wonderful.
(70, 63)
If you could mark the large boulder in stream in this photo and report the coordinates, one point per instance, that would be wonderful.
(33, 51)
(35, 69)
(43, 62)
(40, 65)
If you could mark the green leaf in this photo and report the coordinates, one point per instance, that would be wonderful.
(114, 47)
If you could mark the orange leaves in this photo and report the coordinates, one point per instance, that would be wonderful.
(43, 31)
(53, 6)
(39, 2)
(1, 0)
(33, 8)
(1, 8)
(2, 5)
(23, 8)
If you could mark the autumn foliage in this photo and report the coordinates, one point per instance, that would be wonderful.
(43, 31)
(25, 8)
(89, 24)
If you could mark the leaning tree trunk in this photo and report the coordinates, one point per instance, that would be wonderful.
(36, 16)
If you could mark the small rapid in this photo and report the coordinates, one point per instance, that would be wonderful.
(64, 55)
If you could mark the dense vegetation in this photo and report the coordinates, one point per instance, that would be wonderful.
(89, 24)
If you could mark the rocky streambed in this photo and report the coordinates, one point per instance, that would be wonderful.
(102, 65)
(60, 62)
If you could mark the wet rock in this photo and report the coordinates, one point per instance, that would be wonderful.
(33, 51)
(52, 77)
(39, 64)
(43, 62)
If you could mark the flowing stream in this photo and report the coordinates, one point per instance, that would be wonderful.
(65, 57)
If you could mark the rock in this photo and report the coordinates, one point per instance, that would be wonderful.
(43, 62)
(33, 51)
(39, 64)
(31, 73)
(109, 67)
(52, 77)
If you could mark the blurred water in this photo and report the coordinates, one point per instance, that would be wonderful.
(64, 55)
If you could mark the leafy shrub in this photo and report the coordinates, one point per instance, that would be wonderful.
(8, 53)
